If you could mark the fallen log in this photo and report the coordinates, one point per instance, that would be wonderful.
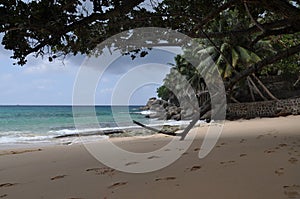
(154, 129)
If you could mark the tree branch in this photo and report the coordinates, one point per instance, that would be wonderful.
(128, 6)
(259, 65)
(252, 19)
(265, 88)
(213, 14)
(286, 30)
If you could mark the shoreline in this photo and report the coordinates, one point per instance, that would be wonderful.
(257, 158)
(94, 134)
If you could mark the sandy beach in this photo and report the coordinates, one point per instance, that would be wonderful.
(256, 158)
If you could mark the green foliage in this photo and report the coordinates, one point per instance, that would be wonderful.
(54, 28)
(164, 93)
(289, 66)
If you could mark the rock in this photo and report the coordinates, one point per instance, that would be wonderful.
(157, 102)
(162, 109)
(149, 104)
(206, 116)
(176, 117)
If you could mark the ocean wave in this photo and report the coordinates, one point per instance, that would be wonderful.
(147, 112)
(22, 138)
(69, 134)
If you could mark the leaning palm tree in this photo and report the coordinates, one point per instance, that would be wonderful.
(230, 56)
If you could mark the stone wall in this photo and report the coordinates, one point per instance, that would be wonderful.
(264, 109)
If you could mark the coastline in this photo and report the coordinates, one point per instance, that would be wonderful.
(257, 158)
(94, 134)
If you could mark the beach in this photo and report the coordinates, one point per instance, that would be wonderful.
(257, 158)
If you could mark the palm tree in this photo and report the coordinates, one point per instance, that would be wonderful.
(230, 55)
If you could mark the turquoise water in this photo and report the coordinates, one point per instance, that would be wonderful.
(28, 124)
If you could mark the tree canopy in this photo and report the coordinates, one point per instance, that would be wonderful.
(55, 28)
(246, 35)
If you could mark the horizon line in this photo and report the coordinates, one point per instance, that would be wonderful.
(71, 105)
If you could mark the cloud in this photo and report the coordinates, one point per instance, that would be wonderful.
(44, 82)
(41, 66)
(124, 63)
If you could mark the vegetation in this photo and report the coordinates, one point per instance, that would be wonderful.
(235, 53)
(58, 27)
(245, 37)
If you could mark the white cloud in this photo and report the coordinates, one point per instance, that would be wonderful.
(44, 82)
(43, 66)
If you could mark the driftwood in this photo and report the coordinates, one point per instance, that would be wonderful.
(154, 129)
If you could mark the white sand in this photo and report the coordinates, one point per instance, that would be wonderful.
(256, 158)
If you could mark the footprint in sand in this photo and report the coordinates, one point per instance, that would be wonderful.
(3, 196)
(102, 171)
(228, 162)
(269, 151)
(222, 144)
(131, 163)
(242, 140)
(292, 191)
(260, 136)
(7, 184)
(153, 157)
(117, 184)
(279, 171)
(195, 168)
(165, 178)
(282, 145)
(293, 160)
(58, 177)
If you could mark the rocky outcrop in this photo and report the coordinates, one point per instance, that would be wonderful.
(162, 110)
(149, 104)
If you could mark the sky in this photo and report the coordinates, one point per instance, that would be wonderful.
(41, 82)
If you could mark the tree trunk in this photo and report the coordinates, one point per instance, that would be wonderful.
(251, 90)
(265, 88)
(256, 89)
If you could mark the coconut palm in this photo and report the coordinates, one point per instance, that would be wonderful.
(230, 56)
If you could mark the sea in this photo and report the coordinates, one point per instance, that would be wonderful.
(33, 125)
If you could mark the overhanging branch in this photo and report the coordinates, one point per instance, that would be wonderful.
(259, 65)
(128, 6)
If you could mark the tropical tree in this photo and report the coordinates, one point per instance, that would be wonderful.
(55, 28)
(230, 55)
